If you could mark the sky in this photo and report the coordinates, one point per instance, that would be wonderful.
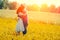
(38, 2)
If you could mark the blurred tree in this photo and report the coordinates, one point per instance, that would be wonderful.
(58, 10)
(0, 1)
(5, 4)
(33, 7)
(52, 8)
(12, 5)
(44, 8)
(1, 4)
(29, 7)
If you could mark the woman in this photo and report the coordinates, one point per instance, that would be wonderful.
(22, 19)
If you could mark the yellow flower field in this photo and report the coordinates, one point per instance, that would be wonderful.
(36, 30)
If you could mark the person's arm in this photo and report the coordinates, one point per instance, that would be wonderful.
(21, 14)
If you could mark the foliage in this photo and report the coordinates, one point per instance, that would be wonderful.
(1, 4)
(12, 5)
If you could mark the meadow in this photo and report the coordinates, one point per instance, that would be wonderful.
(37, 30)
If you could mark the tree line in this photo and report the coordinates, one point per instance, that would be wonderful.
(44, 8)
(4, 4)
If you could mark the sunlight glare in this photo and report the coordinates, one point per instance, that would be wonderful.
(39, 2)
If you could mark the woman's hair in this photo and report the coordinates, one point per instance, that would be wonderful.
(21, 8)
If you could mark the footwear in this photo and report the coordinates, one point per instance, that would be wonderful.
(25, 31)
